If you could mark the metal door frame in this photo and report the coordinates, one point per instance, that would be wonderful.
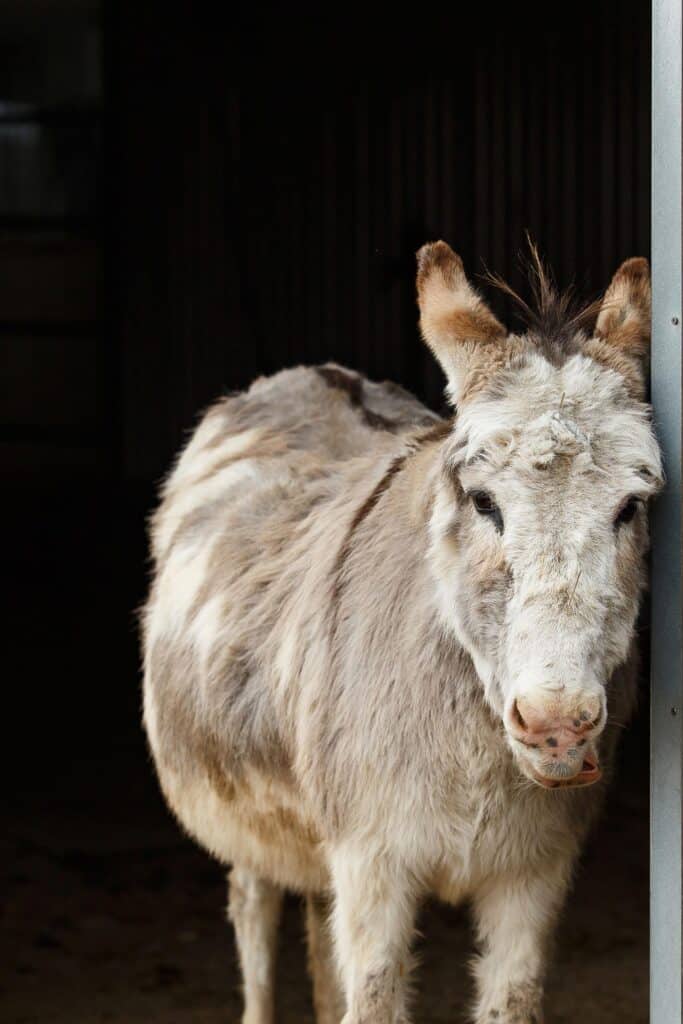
(666, 895)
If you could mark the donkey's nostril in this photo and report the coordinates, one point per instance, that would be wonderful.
(517, 716)
(587, 720)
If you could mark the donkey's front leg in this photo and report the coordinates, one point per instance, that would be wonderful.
(254, 908)
(515, 917)
(375, 900)
(327, 995)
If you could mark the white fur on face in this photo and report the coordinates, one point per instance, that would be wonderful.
(549, 605)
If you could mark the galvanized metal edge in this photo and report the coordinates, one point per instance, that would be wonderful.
(666, 897)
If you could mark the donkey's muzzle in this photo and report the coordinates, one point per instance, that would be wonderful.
(556, 744)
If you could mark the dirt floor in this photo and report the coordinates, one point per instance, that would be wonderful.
(111, 914)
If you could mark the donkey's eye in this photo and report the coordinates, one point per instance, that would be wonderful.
(486, 506)
(483, 503)
(627, 512)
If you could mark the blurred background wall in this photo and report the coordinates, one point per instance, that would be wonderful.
(274, 176)
(50, 236)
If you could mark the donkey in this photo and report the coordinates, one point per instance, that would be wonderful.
(386, 654)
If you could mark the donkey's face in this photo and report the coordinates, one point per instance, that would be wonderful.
(539, 527)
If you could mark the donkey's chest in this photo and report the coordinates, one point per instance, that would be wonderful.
(499, 825)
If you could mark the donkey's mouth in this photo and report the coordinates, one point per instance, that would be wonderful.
(590, 773)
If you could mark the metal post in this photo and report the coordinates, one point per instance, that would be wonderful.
(666, 900)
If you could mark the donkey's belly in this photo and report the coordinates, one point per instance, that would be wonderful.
(251, 821)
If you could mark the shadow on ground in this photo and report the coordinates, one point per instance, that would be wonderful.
(112, 915)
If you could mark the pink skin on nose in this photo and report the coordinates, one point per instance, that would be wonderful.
(536, 728)
(559, 738)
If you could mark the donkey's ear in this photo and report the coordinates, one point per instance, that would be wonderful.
(624, 318)
(622, 331)
(458, 326)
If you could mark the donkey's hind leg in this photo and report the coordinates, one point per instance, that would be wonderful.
(254, 909)
(327, 994)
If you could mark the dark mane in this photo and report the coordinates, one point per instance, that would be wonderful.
(555, 320)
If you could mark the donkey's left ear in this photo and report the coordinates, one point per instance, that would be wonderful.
(456, 323)
(624, 319)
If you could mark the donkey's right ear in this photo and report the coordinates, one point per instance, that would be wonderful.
(455, 322)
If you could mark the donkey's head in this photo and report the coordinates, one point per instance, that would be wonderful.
(539, 526)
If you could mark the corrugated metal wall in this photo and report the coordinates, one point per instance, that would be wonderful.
(273, 182)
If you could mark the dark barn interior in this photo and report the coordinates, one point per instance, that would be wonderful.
(187, 201)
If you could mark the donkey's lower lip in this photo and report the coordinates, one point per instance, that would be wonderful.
(590, 773)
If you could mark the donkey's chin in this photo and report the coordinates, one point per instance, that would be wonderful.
(559, 778)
